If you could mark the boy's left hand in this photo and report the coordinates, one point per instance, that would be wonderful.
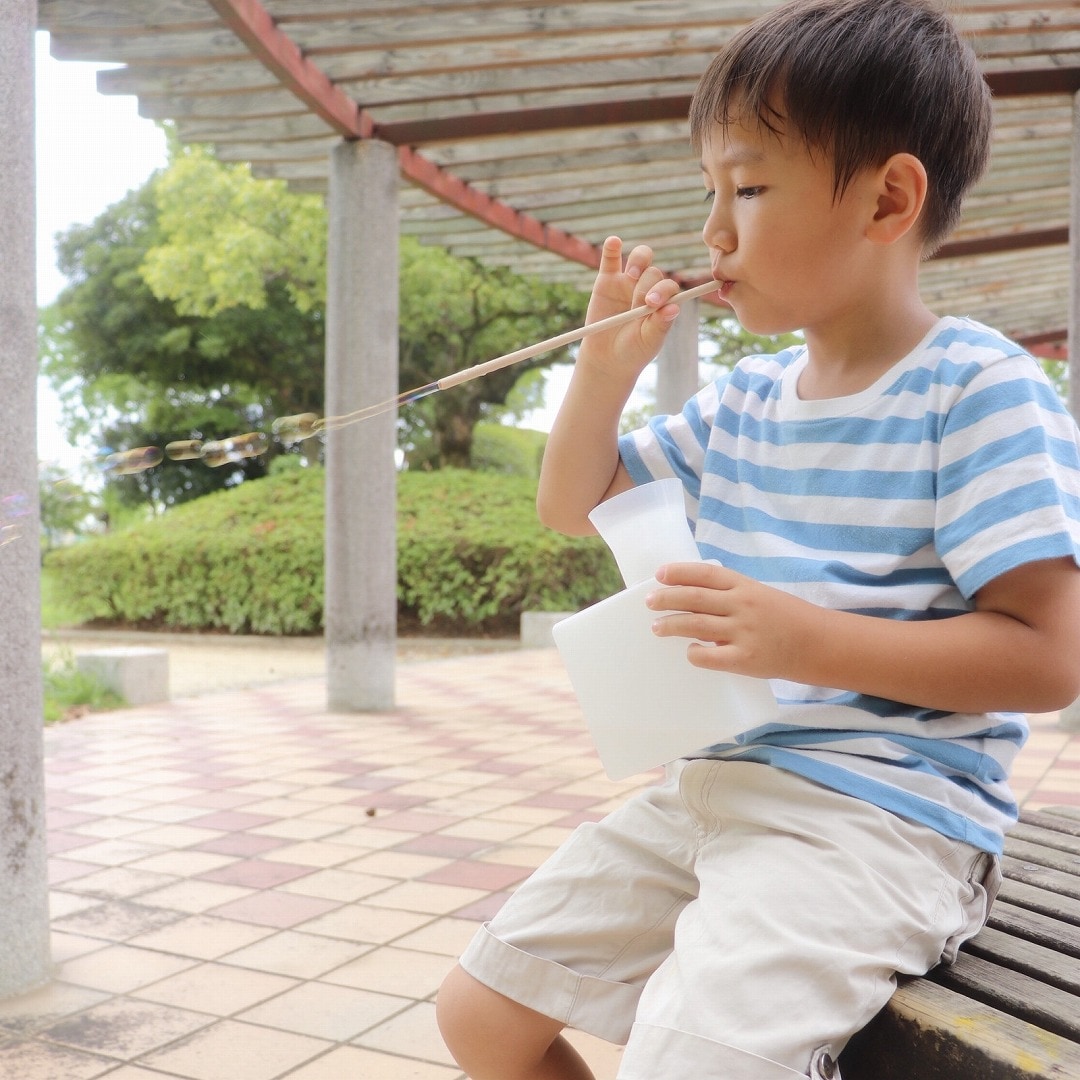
(753, 629)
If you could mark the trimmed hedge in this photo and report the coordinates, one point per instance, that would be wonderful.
(471, 556)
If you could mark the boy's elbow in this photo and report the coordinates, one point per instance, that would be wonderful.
(553, 516)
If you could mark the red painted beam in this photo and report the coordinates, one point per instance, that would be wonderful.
(277, 52)
(251, 22)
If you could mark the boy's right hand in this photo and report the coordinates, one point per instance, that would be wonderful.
(627, 349)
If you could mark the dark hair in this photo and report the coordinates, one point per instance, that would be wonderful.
(861, 80)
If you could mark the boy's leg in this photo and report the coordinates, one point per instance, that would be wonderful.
(574, 945)
(810, 902)
(494, 1038)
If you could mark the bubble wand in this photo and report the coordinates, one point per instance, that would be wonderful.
(332, 423)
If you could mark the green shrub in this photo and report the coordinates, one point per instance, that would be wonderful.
(70, 691)
(503, 449)
(250, 560)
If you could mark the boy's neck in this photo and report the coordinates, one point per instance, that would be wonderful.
(850, 355)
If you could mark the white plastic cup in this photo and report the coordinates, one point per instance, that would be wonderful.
(646, 527)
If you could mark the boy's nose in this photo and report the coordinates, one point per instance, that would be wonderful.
(717, 234)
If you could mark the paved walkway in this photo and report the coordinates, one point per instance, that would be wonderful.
(247, 887)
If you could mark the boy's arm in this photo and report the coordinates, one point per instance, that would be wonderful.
(581, 466)
(1018, 651)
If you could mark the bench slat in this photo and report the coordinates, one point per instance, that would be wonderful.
(1039, 962)
(1051, 838)
(1055, 818)
(1034, 927)
(1042, 855)
(932, 1033)
(1038, 890)
(1013, 992)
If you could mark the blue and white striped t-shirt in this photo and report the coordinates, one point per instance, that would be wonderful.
(899, 502)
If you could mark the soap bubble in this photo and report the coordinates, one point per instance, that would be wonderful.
(184, 450)
(239, 447)
(127, 462)
(293, 429)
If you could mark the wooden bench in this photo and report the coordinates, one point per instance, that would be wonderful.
(1009, 1008)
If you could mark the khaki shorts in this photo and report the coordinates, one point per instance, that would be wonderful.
(735, 922)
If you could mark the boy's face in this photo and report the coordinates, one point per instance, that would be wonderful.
(785, 249)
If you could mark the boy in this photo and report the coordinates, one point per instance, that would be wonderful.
(889, 519)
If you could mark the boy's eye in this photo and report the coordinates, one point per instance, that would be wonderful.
(748, 192)
(710, 195)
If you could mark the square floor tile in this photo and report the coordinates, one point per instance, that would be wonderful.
(343, 885)
(202, 937)
(357, 922)
(117, 920)
(119, 882)
(275, 908)
(357, 1063)
(330, 1012)
(44, 1006)
(412, 1033)
(42, 1061)
(256, 873)
(216, 988)
(120, 968)
(126, 1029)
(194, 897)
(233, 1051)
(304, 956)
(392, 970)
(446, 937)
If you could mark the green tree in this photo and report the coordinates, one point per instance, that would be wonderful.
(66, 507)
(195, 310)
(131, 370)
(226, 240)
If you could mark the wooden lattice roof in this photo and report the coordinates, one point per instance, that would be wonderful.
(528, 131)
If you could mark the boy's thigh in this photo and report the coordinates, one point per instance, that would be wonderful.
(578, 940)
(810, 902)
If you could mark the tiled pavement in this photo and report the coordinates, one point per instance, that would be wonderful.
(246, 887)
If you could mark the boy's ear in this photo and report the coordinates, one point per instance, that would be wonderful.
(900, 186)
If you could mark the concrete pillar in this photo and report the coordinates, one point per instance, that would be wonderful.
(24, 942)
(677, 364)
(361, 370)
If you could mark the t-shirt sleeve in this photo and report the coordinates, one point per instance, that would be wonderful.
(1008, 480)
(674, 445)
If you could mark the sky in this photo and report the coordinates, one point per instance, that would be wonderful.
(92, 149)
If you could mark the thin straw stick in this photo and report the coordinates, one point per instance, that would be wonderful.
(331, 423)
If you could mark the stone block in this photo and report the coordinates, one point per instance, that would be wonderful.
(138, 673)
(536, 628)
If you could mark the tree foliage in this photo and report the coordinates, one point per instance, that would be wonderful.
(196, 309)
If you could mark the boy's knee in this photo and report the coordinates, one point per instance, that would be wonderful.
(488, 1034)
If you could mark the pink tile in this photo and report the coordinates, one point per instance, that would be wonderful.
(278, 909)
(231, 820)
(61, 870)
(241, 843)
(417, 822)
(452, 847)
(257, 873)
(483, 910)
(218, 800)
(58, 841)
(560, 801)
(477, 875)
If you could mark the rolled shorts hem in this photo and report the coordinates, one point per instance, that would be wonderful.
(584, 1002)
(654, 1051)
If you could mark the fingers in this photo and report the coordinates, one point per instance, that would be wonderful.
(651, 286)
